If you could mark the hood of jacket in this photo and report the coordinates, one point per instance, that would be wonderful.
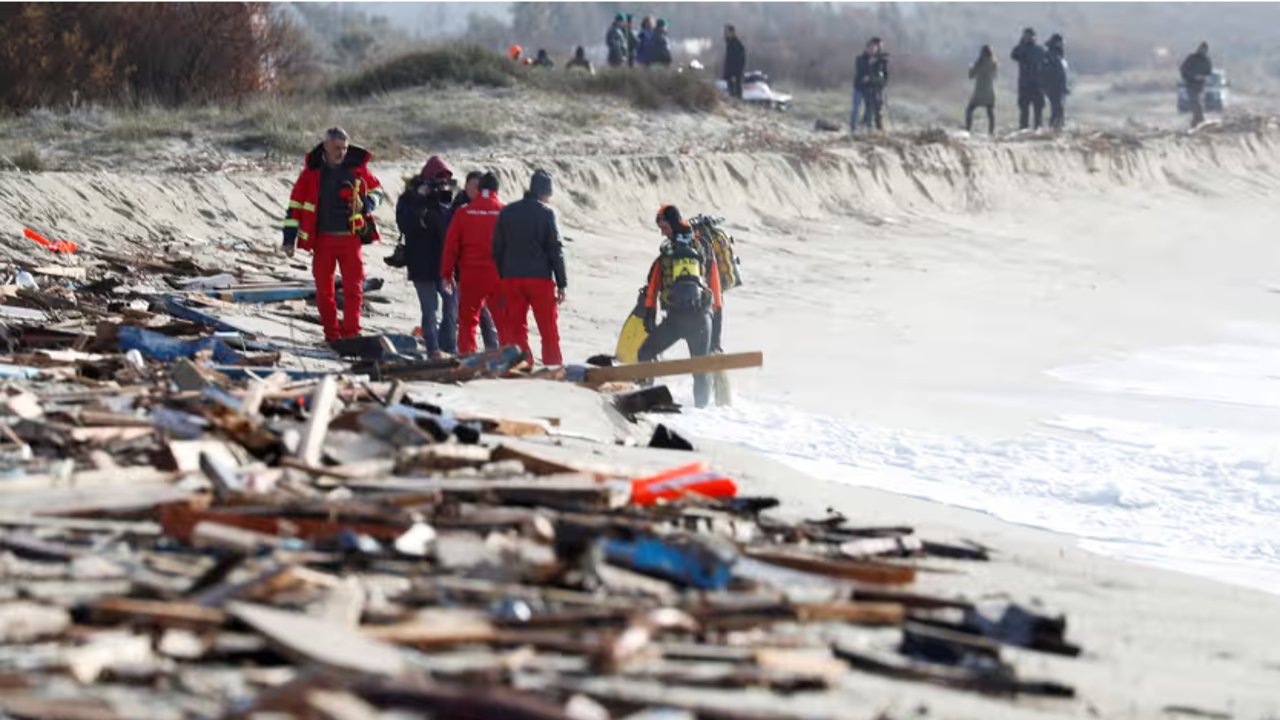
(436, 167)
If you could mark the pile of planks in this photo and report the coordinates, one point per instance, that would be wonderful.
(188, 531)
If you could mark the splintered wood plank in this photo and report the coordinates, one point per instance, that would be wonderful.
(878, 573)
(321, 642)
(312, 446)
(705, 364)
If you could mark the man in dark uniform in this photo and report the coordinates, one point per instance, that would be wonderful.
(1030, 58)
(676, 282)
(1196, 70)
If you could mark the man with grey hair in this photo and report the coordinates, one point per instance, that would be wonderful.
(331, 214)
(530, 260)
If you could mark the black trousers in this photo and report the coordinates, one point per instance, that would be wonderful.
(873, 100)
(1057, 111)
(692, 326)
(1028, 99)
(1196, 97)
(735, 85)
(991, 117)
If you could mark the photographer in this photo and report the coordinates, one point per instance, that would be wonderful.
(423, 213)
(871, 76)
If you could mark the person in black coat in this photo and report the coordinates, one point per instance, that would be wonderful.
(1053, 78)
(422, 214)
(1030, 58)
(735, 61)
(871, 77)
(1196, 70)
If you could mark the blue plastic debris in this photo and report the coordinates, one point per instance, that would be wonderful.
(683, 561)
(8, 371)
(166, 349)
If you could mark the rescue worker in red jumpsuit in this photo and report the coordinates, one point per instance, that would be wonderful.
(468, 249)
(529, 255)
(331, 214)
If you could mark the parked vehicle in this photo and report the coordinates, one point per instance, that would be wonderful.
(755, 89)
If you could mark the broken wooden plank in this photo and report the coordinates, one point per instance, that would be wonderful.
(879, 573)
(665, 368)
(311, 447)
(159, 613)
(320, 642)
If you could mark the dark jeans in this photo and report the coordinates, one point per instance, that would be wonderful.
(1196, 97)
(991, 117)
(873, 100)
(443, 335)
(439, 334)
(1057, 111)
(1029, 98)
(692, 326)
(735, 85)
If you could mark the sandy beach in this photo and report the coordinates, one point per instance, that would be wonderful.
(923, 306)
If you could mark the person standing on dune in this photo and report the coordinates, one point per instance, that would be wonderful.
(1055, 81)
(871, 78)
(1030, 58)
(983, 73)
(735, 61)
(615, 39)
(1196, 70)
(331, 214)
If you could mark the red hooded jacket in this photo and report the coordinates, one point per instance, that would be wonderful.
(469, 242)
(306, 192)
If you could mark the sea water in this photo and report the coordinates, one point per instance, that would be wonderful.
(1191, 481)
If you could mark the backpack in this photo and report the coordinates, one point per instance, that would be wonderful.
(683, 266)
(715, 242)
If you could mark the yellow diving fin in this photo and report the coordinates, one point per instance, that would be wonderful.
(633, 334)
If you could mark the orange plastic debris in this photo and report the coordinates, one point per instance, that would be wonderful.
(62, 246)
(671, 484)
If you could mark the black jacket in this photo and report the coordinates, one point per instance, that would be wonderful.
(871, 72)
(1053, 76)
(526, 242)
(423, 219)
(1030, 58)
(735, 58)
(1196, 70)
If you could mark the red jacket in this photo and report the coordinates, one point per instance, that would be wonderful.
(306, 192)
(469, 241)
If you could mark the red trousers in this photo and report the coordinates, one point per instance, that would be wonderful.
(479, 286)
(540, 295)
(341, 252)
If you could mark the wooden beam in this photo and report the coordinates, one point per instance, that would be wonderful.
(312, 446)
(699, 365)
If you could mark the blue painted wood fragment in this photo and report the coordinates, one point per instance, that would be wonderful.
(685, 562)
(184, 312)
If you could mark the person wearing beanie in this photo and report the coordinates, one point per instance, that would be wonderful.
(1196, 70)
(529, 255)
(580, 61)
(468, 255)
(615, 39)
(1054, 80)
(685, 282)
(660, 45)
